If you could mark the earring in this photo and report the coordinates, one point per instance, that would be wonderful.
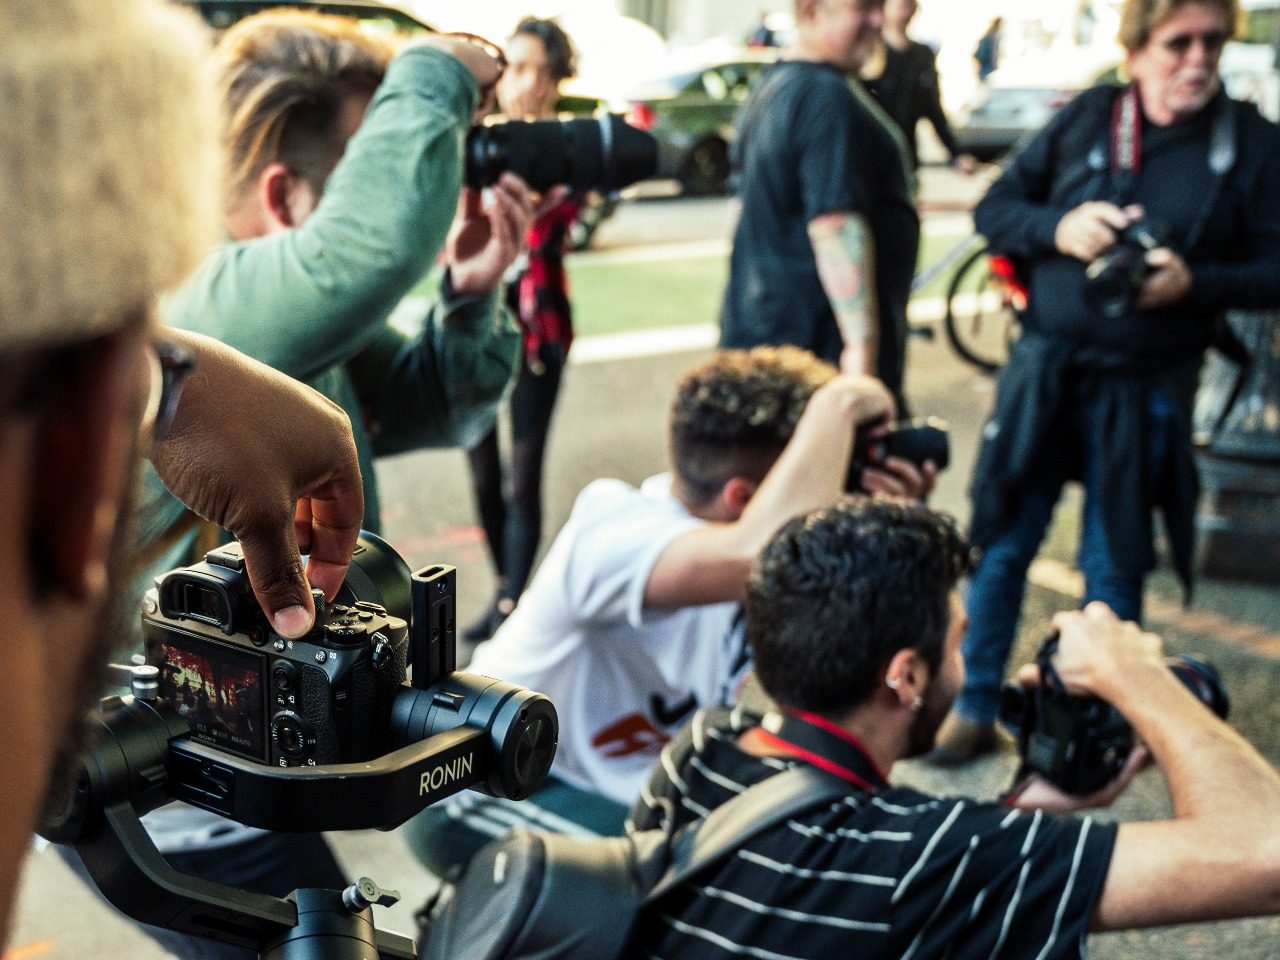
(892, 682)
(917, 703)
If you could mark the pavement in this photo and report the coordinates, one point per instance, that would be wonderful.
(611, 422)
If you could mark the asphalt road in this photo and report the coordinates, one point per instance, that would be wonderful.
(611, 422)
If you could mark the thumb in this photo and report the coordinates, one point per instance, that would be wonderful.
(275, 573)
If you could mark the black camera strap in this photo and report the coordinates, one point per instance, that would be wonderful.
(1126, 153)
(821, 743)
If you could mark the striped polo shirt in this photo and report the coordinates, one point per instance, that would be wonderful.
(891, 874)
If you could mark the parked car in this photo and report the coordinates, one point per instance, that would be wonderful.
(221, 14)
(691, 104)
(1019, 100)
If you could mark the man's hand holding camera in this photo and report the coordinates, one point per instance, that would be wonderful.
(1097, 655)
(1093, 228)
(249, 450)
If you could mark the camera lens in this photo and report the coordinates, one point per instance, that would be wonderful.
(604, 154)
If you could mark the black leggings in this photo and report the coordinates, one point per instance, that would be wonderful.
(513, 527)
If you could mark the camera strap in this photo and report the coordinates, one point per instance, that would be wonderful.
(1126, 152)
(819, 742)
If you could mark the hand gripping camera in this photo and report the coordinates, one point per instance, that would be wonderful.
(318, 733)
(1080, 744)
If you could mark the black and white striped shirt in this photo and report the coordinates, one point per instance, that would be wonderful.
(893, 874)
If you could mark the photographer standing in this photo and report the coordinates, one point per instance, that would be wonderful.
(1171, 177)
(540, 57)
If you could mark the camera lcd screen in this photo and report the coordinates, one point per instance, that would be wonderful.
(217, 688)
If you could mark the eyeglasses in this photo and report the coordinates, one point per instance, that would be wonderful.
(170, 366)
(489, 47)
(1180, 44)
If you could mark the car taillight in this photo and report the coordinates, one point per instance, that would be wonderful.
(641, 115)
(1058, 99)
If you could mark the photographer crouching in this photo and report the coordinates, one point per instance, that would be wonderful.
(1136, 217)
(856, 629)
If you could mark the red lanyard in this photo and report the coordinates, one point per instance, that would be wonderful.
(819, 742)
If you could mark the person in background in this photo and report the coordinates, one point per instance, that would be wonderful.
(903, 77)
(987, 53)
(539, 57)
(1100, 386)
(826, 245)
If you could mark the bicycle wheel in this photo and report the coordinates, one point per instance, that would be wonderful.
(981, 324)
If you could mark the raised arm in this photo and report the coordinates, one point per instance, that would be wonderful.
(315, 295)
(712, 563)
(1220, 854)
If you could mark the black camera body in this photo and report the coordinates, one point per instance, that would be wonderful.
(917, 441)
(1112, 280)
(1080, 744)
(321, 699)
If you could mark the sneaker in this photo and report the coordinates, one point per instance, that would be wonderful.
(961, 741)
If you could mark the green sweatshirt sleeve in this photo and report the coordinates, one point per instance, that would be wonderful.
(435, 380)
(312, 297)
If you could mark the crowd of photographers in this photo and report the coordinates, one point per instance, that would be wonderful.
(262, 387)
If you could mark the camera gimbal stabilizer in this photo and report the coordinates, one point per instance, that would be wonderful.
(449, 731)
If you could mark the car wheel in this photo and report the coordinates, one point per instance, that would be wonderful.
(706, 169)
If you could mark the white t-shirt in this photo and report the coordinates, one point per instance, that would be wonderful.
(623, 678)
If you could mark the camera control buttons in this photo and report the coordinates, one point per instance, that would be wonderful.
(294, 737)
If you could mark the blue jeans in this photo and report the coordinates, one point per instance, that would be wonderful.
(998, 583)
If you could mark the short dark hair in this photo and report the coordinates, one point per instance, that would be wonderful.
(560, 55)
(734, 414)
(840, 590)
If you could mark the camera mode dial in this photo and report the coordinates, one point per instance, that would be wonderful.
(293, 736)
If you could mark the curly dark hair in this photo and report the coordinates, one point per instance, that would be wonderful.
(840, 590)
(560, 54)
(733, 415)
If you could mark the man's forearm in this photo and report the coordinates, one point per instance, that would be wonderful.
(1224, 840)
(845, 254)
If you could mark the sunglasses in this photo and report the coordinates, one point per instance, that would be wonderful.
(1179, 44)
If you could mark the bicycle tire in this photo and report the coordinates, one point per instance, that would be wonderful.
(979, 330)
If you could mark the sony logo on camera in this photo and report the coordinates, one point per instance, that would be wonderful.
(444, 774)
(324, 698)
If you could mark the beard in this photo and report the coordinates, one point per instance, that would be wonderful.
(928, 719)
(118, 621)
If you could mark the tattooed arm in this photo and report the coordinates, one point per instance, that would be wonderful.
(845, 254)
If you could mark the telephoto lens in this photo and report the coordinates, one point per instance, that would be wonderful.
(602, 153)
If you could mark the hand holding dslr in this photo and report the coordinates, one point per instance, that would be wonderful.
(251, 449)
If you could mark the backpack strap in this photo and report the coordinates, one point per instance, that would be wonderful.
(752, 812)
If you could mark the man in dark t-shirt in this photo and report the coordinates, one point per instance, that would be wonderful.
(855, 627)
(826, 246)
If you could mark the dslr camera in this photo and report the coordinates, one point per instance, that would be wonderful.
(602, 153)
(926, 438)
(1112, 280)
(1080, 744)
(324, 698)
(339, 694)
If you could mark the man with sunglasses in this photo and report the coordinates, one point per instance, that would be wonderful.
(1100, 386)
(89, 381)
